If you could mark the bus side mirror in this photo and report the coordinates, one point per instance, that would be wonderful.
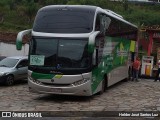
(95, 57)
(20, 38)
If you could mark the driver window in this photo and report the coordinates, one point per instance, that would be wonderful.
(23, 63)
(85, 57)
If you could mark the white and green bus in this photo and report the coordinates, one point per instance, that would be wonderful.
(78, 49)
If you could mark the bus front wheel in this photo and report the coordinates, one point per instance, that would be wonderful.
(104, 86)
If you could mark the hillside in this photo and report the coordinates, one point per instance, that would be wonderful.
(17, 15)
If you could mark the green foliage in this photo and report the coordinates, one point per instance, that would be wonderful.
(4, 2)
(142, 16)
(125, 5)
(21, 13)
(31, 9)
(73, 2)
(51, 2)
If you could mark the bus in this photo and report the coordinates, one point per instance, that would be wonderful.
(77, 49)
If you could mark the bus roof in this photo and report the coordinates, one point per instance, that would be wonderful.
(115, 15)
(68, 7)
(86, 8)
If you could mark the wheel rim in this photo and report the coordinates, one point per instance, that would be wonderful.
(10, 80)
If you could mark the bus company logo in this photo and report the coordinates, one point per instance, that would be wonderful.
(56, 72)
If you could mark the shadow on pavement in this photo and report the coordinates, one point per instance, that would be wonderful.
(64, 98)
(16, 83)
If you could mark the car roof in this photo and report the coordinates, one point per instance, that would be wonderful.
(18, 57)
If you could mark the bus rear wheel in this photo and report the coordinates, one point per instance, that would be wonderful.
(104, 85)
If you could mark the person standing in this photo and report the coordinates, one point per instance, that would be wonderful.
(158, 72)
(136, 67)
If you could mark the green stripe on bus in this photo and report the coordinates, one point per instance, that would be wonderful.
(42, 76)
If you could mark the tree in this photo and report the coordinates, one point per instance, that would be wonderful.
(73, 2)
(125, 5)
(31, 10)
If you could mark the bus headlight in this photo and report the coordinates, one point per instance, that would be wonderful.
(81, 82)
(34, 80)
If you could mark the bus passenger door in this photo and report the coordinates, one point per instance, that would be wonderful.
(98, 69)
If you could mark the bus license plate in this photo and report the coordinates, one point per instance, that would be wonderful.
(56, 90)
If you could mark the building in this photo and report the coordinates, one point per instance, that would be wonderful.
(149, 41)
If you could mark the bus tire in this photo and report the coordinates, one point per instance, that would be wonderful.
(104, 86)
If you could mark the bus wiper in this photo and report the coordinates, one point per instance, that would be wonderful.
(88, 28)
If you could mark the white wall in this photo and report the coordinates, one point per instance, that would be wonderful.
(10, 50)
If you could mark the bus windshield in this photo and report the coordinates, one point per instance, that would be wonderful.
(61, 53)
(68, 21)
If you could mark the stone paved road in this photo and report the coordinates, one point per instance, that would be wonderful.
(124, 96)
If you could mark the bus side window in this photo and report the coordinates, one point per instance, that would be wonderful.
(102, 23)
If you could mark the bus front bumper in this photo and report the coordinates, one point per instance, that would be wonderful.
(79, 90)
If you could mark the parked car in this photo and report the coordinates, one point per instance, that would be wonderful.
(13, 68)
